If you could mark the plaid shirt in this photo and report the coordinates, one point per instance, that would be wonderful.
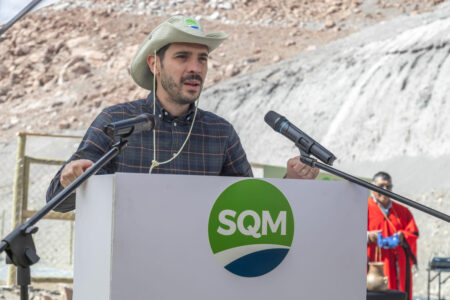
(213, 148)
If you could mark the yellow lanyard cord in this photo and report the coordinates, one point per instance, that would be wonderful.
(156, 163)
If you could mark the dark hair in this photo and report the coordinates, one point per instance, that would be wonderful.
(161, 52)
(383, 175)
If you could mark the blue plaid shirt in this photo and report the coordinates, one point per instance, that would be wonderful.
(213, 148)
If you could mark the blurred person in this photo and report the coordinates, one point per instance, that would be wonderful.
(389, 218)
(172, 64)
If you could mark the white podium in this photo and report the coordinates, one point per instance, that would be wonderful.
(140, 236)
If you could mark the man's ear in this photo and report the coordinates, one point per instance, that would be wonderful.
(151, 60)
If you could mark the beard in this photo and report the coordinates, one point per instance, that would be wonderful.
(175, 90)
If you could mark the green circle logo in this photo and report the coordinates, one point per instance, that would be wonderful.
(251, 227)
(192, 23)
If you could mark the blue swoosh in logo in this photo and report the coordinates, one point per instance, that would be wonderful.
(257, 263)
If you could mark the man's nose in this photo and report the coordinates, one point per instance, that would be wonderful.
(194, 66)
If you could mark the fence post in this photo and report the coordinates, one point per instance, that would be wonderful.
(17, 195)
(25, 187)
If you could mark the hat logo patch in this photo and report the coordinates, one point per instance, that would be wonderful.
(192, 23)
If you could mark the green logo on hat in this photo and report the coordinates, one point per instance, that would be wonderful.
(192, 23)
(251, 227)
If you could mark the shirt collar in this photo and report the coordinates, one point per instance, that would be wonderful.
(166, 116)
(385, 210)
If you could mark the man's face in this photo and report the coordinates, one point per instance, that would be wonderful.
(385, 184)
(182, 73)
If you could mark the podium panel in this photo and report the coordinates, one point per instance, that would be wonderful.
(141, 236)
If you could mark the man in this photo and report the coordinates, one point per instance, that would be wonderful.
(172, 63)
(390, 218)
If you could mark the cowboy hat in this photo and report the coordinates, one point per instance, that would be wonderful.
(175, 30)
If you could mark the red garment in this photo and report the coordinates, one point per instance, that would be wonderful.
(401, 220)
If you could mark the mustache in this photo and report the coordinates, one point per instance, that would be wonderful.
(192, 77)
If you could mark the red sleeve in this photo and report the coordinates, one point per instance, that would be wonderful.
(409, 229)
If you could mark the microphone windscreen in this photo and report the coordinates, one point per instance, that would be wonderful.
(272, 118)
(150, 124)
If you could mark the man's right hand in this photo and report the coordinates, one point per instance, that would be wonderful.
(372, 236)
(73, 170)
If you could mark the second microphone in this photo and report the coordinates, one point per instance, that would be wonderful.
(124, 128)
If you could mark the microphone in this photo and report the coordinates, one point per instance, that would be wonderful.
(124, 128)
(301, 139)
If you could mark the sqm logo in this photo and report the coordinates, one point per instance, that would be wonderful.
(251, 228)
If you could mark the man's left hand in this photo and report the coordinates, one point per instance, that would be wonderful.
(298, 170)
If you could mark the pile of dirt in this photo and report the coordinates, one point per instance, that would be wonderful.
(62, 64)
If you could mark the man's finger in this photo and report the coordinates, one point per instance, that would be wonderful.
(85, 164)
(67, 178)
(73, 170)
(300, 169)
(316, 172)
(77, 171)
(309, 172)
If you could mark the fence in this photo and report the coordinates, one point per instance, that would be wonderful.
(54, 241)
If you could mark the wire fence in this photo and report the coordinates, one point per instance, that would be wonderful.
(54, 240)
(7, 165)
(22, 197)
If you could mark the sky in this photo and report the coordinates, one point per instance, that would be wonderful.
(9, 8)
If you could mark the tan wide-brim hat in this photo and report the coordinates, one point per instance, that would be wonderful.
(175, 30)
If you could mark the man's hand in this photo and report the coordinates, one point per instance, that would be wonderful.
(298, 170)
(73, 170)
(372, 236)
(401, 237)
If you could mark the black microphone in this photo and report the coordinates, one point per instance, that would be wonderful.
(301, 139)
(130, 126)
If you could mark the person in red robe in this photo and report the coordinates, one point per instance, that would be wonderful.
(391, 218)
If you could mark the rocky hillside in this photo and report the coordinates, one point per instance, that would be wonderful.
(62, 64)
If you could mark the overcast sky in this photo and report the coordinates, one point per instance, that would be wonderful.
(9, 8)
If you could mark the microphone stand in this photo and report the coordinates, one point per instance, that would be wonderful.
(19, 245)
(312, 162)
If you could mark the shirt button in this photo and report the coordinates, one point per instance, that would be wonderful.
(175, 124)
(159, 116)
(165, 113)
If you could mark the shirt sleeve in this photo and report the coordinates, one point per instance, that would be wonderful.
(94, 145)
(235, 163)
